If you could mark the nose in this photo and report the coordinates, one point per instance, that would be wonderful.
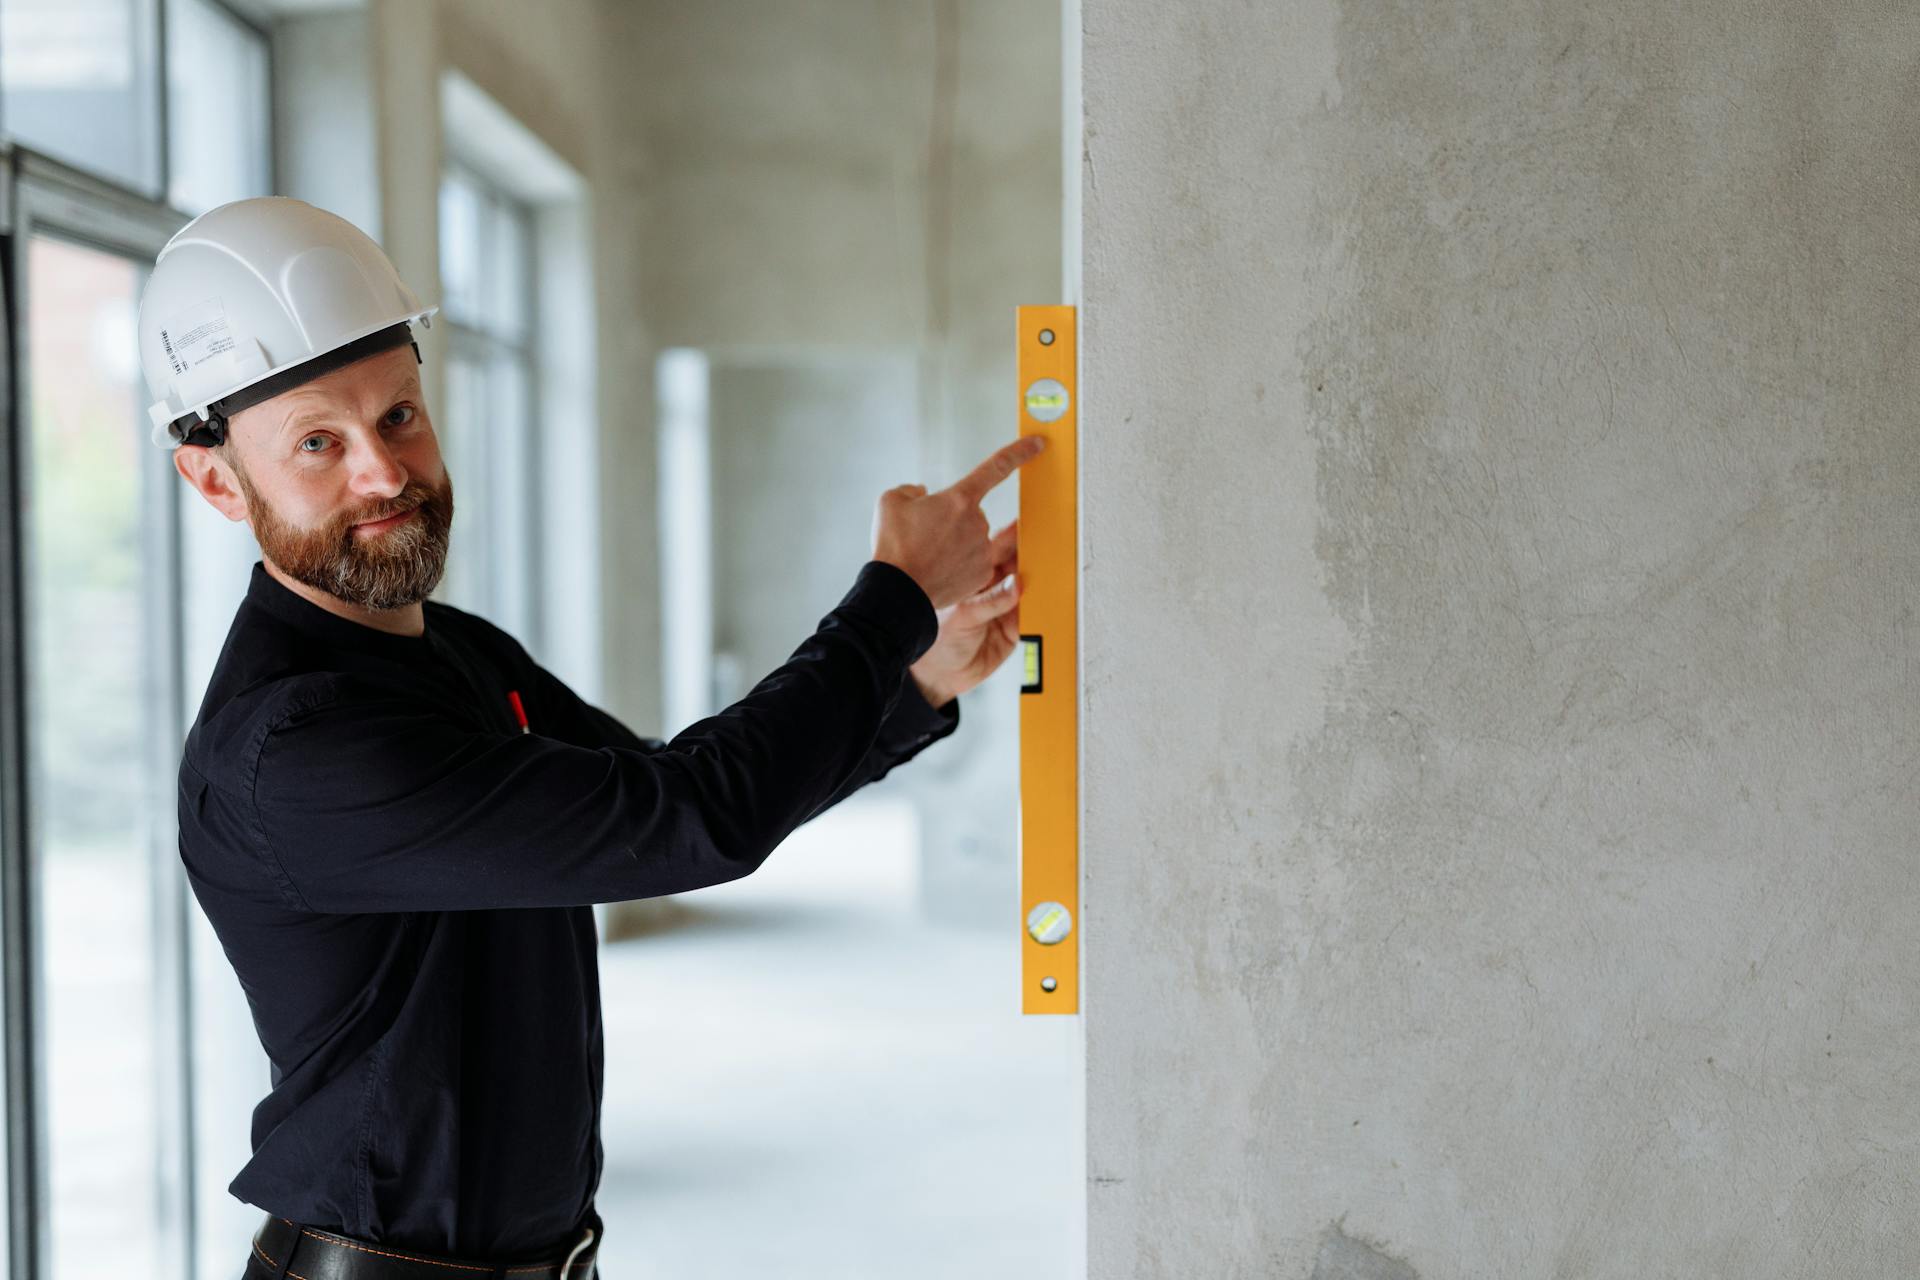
(376, 472)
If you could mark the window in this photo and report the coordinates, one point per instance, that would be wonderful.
(486, 255)
(79, 79)
(105, 1019)
(94, 919)
(219, 116)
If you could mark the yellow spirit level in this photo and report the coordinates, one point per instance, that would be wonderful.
(1049, 733)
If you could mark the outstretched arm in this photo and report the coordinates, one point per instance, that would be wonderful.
(367, 800)
(913, 723)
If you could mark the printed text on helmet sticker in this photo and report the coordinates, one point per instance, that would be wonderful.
(196, 336)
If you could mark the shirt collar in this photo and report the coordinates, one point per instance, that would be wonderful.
(267, 592)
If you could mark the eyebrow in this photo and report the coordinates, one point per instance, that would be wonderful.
(299, 420)
(411, 387)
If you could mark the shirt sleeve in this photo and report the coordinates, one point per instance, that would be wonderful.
(911, 726)
(370, 800)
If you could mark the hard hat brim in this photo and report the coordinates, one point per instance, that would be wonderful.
(192, 428)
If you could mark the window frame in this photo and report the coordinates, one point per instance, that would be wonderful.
(44, 196)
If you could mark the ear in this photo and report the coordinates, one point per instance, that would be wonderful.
(212, 477)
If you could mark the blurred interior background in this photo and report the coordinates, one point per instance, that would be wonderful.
(714, 273)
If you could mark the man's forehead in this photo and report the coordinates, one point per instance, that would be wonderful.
(336, 395)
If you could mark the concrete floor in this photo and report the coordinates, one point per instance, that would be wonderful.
(805, 1081)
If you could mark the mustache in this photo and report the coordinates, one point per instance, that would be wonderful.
(386, 515)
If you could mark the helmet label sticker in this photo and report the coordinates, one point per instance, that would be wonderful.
(196, 335)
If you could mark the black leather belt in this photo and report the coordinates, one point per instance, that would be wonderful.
(283, 1248)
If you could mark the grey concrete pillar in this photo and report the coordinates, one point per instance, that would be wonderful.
(1502, 544)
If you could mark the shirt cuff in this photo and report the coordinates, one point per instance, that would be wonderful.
(889, 594)
(915, 723)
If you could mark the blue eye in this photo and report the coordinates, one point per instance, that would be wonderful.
(309, 440)
(406, 409)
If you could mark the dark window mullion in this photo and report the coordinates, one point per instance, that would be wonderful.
(26, 1178)
(163, 109)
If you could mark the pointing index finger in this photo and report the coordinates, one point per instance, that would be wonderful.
(1000, 464)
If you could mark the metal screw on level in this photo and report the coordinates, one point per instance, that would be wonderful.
(1048, 984)
(1048, 923)
(1046, 337)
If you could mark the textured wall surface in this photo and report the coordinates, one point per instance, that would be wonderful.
(1502, 524)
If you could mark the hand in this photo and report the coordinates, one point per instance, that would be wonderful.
(940, 539)
(976, 634)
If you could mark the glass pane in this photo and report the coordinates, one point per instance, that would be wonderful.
(78, 80)
(507, 286)
(465, 446)
(217, 97)
(510, 524)
(460, 231)
(90, 709)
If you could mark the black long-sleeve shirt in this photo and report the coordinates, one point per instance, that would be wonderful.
(401, 879)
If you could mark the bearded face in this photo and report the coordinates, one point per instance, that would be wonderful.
(384, 566)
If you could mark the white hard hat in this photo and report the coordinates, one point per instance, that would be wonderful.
(257, 296)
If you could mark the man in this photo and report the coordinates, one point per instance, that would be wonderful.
(396, 820)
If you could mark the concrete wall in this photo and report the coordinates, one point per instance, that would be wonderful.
(779, 434)
(1502, 525)
(837, 182)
